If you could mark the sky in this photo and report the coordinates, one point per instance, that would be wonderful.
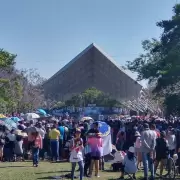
(47, 34)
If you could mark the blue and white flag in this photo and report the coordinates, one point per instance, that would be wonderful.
(105, 131)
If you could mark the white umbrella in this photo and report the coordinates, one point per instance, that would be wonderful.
(30, 116)
(86, 119)
(65, 121)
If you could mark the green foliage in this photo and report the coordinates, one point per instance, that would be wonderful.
(172, 102)
(160, 63)
(19, 91)
(59, 104)
(6, 59)
(92, 96)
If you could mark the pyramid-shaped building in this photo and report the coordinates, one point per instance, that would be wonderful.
(91, 68)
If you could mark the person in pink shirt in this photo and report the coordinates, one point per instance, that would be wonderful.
(96, 146)
(37, 145)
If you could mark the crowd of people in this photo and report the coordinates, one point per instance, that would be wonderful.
(151, 142)
(135, 142)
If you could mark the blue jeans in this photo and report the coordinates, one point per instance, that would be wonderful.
(35, 153)
(81, 168)
(60, 147)
(54, 149)
(148, 164)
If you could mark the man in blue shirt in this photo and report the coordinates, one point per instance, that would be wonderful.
(61, 138)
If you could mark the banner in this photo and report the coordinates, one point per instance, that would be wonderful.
(107, 145)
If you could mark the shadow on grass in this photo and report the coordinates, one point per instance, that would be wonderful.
(54, 172)
(52, 177)
(45, 177)
(13, 167)
(109, 171)
(61, 161)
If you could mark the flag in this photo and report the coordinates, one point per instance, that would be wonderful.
(107, 144)
(105, 131)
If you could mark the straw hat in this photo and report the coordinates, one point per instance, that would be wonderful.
(20, 133)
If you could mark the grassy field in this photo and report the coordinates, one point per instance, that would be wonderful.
(46, 170)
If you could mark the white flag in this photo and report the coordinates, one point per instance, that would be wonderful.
(107, 144)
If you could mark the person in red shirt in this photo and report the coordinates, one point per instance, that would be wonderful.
(153, 128)
(37, 145)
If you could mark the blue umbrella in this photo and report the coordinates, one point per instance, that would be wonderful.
(15, 119)
(9, 123)
(104, 128)
(41, 111)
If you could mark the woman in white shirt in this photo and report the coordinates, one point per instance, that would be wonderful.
(137, 146)
(76, 148)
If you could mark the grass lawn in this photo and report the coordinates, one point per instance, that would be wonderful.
(46, 170)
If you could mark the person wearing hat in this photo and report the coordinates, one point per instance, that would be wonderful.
(129, 163)
(162, 151)
(76, 148)
(148, 143)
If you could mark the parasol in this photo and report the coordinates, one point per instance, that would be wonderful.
(9, 123)
(65, 121)
(2, 116)
(41, 112)
(15, 119)
(30, 116)
(86, 119)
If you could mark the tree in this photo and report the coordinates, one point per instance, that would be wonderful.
(160, 63)
(33, 95)
(19, 90)
(92, 96)
(10, 89)
(59, 104)
(7, 60)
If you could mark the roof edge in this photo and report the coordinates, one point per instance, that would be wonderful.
(70, 62)
(82, 53)
(114, 62)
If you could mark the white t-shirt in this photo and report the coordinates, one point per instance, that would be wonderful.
(76, 156)
(118, 157)
(138, 142)
(42, 133)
